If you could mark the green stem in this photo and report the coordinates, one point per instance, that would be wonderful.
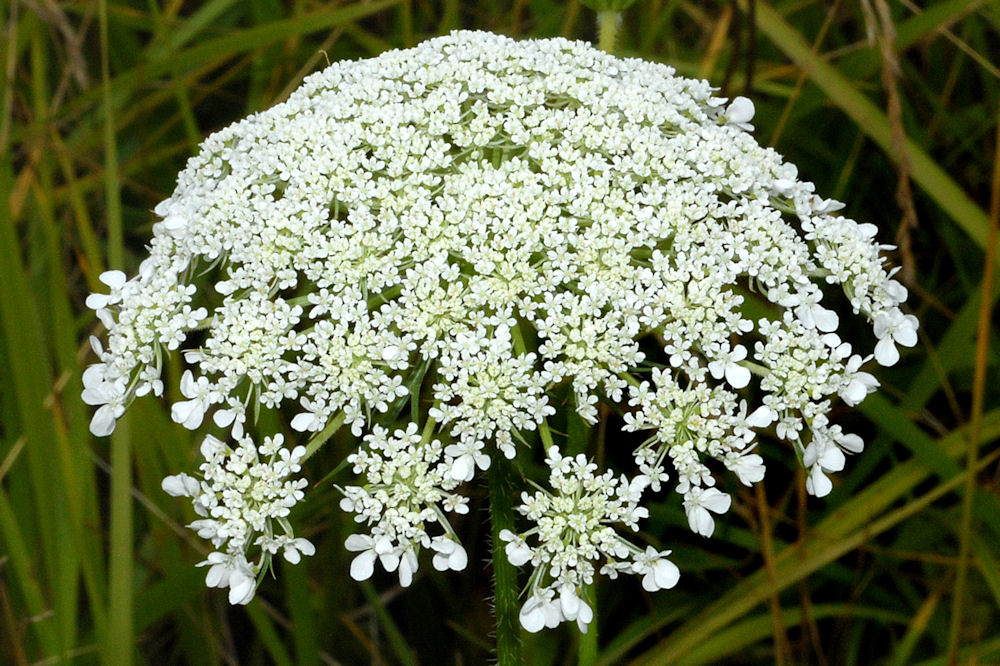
(505, 589)
(120, 638)
(587, 650)
(607, 29)
(119, 646)
(321, 438)
(976, 420)
(112, 183)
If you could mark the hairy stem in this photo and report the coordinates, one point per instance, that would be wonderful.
(505, 589)
(607, 29)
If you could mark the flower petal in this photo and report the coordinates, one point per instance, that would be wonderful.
(363, 565)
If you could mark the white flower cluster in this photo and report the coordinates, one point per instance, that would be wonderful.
(485, 230)
(690, 422)
(408, 483)
(574, 529)
(245, 494)
(488, 390)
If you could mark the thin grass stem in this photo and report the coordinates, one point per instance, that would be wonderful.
(976, 419)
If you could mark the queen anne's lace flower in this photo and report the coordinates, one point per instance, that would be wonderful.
(575, 530)
(407, 483)
(244, 497)
(472, 233)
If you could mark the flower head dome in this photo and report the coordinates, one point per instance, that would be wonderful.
(509, 218)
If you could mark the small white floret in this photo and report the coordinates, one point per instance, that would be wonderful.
(294, 549)
(659, 573)
(449, 554)
(181, 485)
(698, 502)
(817, 483)
(740, 112)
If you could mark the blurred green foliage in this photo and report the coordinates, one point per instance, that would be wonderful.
(890, 107)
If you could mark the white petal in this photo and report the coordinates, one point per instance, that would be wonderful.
(532, 616)
(569, 601)
(852, 443)
(390, 561)
(219, 573)
(106, 318)
(882, 324)
(215, 576)
(441, 557)
(188, 413)
(906, 334)
(383, 545)
(97, 301)
(750, 469)
(224, 417)
(740, 110)
(163, 207)
(363, 565)
(305, 546)
(737, 375)
(553, 614)
(463, 469)
(241, 588)
(855, 393)
(114, 279)
(716, 501)
(211, 446)
(358, 542)
(817, 483)
(103, 422)
(665, 574)
(179, 486)
(407, 566)
(94, 375)
(305, 421)
(761, 417)
(187, 384)
(459, 558)
(832, 459)
(826, 320)
(517, 553)
(649, 582)
(700, 520)
(174, 222)
(97, 394)
(886, 353)
(584, 617)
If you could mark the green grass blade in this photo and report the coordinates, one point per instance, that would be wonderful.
(873, 122)
(392, 633)
(732, 641)
(301, 603)
(854, 522)
(268, 635)
(28, 371)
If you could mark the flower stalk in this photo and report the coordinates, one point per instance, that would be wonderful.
(505, 588)
(607, 29)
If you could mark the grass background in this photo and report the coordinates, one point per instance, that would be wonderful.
(889, 106)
